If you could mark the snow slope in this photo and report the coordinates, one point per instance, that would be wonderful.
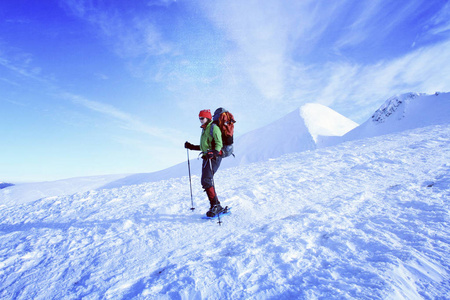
(298, 131)
(323, 122)
(309, 127)
(303, 129)
(402, 112)
(366, 219)
(286, 135)
(26, 192)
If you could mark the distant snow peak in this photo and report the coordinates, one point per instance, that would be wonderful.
(306, 128)
(392, 105)
(404, 112)
(324, 121)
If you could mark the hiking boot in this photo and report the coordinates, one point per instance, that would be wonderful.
(214, 210)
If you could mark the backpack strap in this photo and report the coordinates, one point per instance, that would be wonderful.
(211, 129)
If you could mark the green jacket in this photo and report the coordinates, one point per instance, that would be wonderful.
(206, 139)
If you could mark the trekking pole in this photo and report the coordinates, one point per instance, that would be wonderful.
(190, 181)
(214, 186)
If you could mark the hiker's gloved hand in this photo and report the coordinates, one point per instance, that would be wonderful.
(189, 146)
(212, 154)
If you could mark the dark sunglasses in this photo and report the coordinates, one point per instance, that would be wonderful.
(201, 118)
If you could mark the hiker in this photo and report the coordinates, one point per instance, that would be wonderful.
(211, 147)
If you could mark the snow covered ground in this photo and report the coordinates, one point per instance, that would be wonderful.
(26, 192)
(366, 219)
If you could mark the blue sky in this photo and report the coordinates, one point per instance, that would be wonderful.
(103, 87)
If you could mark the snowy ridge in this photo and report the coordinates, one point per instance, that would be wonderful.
(391, 105)
(323, 122)
(298, 131)
(403, 112)
(366, 219)
(286, 135)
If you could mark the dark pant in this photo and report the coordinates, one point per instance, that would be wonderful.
(207, 175)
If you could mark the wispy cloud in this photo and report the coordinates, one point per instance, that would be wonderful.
(261, 34)
(101, 76)
(440, 24)
(164, 3)
(269, 37)
(357, 90)
(22, 65)
(127, 121)
(129, 36)
(360, 23)
(275, 44)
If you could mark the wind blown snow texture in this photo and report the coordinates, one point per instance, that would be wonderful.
(366, 219)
